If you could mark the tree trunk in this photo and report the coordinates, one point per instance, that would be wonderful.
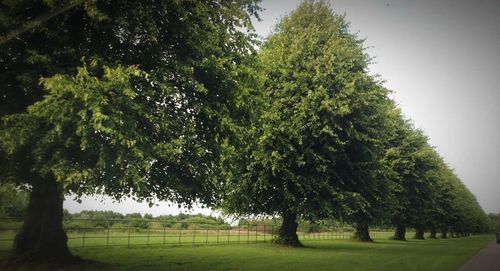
(433, 233)
(362, 233)
(444, 234)
(288, 231)
(419, 233)
(42, 238)
(400, 233)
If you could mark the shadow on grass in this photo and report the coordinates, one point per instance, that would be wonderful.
(77, 264)
(344, 245)
(353, 245)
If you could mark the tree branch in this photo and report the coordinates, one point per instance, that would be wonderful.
(38, 21)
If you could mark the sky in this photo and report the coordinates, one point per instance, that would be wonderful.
(441, 59)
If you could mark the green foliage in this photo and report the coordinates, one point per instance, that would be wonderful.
(427, 192)
(138, 223)
(494, 222)
(78, 136)
(91, 219)
(116, 221)
(77, 225)
(145, 114)
(315, 146)
(133, 215)
(413, 162)
(99, 220)
(13, 201)
(186, 221)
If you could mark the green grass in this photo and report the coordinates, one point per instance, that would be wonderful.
(183, 237)
(318, 255)
(179, 237)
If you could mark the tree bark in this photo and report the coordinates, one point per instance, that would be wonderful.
(362, 233)
(444, 234)
(288, 231)
(433, 233)
(42, 237)
(419, 233)
(400, 233)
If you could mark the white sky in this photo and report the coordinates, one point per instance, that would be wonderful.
(442, 60)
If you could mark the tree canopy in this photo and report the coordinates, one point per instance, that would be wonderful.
(144, 115)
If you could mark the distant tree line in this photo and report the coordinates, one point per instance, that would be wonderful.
(109, 219)
(172, 100)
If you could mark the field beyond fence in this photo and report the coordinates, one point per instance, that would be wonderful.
(122, 232)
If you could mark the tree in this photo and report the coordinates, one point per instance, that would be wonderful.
(143, 116)
(440, 215)
(413, 164)
(133, 215)
(363, 164)
(317, 124)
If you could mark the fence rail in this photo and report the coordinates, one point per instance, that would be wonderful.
(84, 233)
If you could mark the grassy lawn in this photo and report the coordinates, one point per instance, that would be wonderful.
(318, 255)
(185, 237)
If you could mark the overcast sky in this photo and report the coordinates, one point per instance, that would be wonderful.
(441, 59)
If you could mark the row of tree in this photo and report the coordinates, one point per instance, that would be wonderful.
(171, 100)
(326, 141)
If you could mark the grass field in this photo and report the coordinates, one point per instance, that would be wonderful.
(183, 237)
(384, 255)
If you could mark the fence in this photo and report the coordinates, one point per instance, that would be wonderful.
(120, 232)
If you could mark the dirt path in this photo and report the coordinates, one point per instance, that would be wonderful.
(488, 259)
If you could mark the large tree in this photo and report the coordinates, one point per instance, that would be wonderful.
(363, 164)
(316, 138)
(144, 115)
